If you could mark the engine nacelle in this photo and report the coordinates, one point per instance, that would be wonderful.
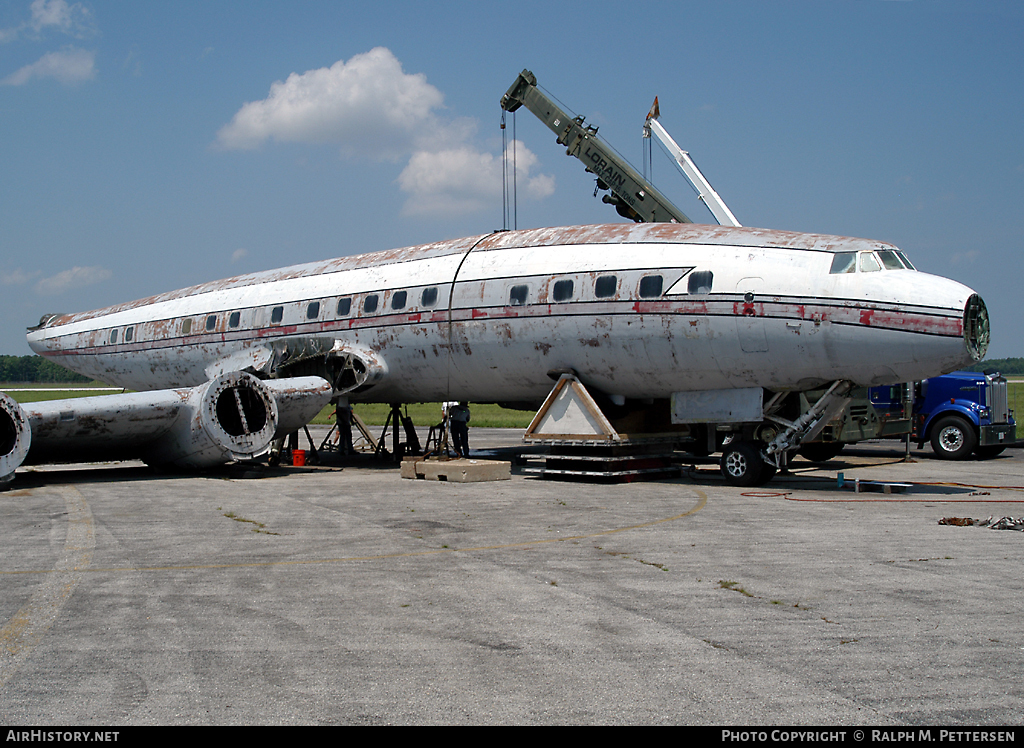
(298, 400)
(15, 438)
(234, 416)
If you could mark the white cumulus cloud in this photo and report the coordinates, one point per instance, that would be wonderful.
(57, 15)
(76, 277)
(464, 180)
(17, 277)
(368, 107)
(70, 65)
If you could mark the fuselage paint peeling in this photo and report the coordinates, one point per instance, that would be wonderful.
(774, 316)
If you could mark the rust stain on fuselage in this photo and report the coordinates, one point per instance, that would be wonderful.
(646, 233)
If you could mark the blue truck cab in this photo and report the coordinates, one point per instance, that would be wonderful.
(963, 413)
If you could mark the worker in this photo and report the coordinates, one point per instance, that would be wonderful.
(343, 421)
(459, 424)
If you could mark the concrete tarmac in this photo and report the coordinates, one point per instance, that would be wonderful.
(346, 595)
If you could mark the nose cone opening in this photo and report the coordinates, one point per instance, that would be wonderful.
(976, 327)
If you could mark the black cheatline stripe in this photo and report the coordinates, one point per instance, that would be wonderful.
(529, 311)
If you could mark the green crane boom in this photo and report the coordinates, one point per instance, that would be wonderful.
(632, 195)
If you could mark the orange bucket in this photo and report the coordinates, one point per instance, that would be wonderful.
(298, 457)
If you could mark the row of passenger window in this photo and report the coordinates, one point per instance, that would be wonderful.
(371, 303)
(605, 286)
(129, 335)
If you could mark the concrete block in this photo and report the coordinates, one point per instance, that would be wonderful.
(458, 471)
(409, 467)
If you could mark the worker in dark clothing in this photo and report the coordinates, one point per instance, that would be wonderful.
(458, 416)
(343, 420)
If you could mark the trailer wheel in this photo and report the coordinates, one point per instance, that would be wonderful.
(742, 465)
(953, 438)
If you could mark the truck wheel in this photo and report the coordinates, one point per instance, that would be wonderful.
(820, 451)
(987, 453)
(742, 465)
(953, 438)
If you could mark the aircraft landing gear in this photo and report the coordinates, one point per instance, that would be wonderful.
(744, 465)
(754, 458)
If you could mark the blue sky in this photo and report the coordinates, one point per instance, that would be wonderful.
(146, 146)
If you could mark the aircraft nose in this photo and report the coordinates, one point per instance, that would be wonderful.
(976, 327)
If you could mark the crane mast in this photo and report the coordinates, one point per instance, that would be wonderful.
(632, 195)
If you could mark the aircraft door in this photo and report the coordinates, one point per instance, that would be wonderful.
(749, 322)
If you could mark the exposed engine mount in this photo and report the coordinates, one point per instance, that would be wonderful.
(234, 416)
(15, 437)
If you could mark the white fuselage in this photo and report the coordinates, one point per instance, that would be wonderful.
(486, 318)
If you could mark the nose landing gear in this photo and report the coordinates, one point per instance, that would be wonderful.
(754, 458)
(743, 464)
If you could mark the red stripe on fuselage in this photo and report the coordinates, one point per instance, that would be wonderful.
(946, 324)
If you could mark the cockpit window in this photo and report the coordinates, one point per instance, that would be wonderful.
(844, 262)
(889, 260)
(868, 262)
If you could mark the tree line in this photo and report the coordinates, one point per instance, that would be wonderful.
(1006, 366)
(36, 369)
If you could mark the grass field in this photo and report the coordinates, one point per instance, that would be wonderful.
(1015, 394)
(429, 414)
(373, 414)
(423, 414)
(37, 393)
(50, 385)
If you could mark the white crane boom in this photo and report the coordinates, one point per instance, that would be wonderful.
(704, 189)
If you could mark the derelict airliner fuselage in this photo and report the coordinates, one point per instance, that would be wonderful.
(640, 312)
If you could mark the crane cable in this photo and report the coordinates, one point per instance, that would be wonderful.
(509, 199)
